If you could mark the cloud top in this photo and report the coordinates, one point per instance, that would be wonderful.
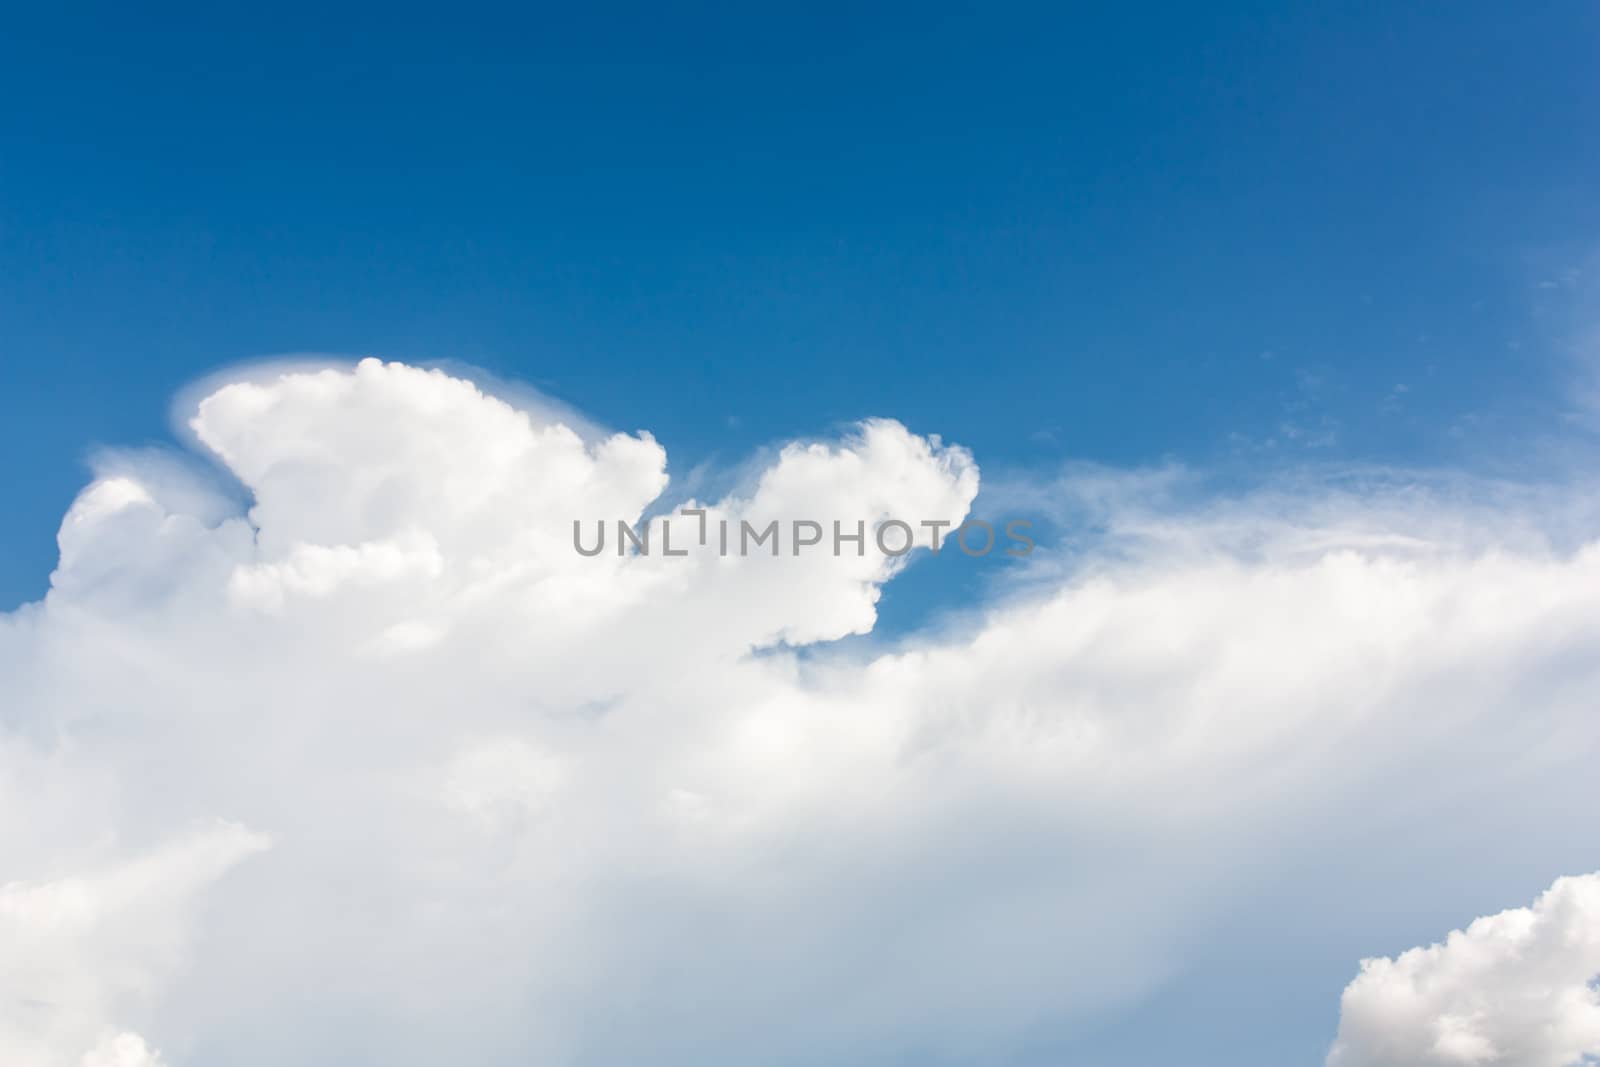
(1517, 989)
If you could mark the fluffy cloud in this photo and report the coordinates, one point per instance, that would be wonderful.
(1515, 989)
(527, 805)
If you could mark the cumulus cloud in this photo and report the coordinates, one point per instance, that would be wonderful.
(531, 806)
(1517, 989)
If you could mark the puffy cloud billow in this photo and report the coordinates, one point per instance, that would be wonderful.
(380, 769)
(1515, 989)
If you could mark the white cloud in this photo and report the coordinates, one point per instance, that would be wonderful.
(83, 951)
(1517, 989)
(123, 1050)
(531, 806)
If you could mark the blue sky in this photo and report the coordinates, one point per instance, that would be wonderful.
(1123, 236)
(1238, 239)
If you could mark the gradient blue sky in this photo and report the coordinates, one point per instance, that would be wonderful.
(1209, 231)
